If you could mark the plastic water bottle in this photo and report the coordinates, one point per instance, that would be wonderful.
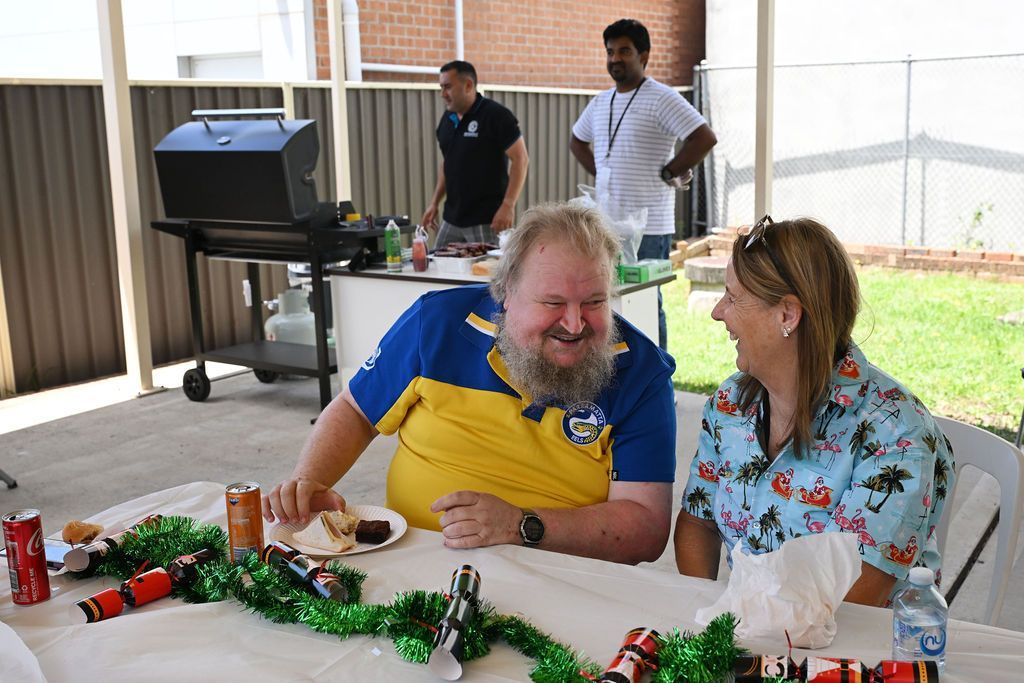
(919, 620)
(393, 247)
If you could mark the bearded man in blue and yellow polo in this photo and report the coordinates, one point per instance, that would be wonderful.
(526, 413)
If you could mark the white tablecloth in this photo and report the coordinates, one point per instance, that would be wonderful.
(585, 603)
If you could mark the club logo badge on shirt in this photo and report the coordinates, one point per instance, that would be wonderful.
(583, 423)
(472, 130)
(370, 362)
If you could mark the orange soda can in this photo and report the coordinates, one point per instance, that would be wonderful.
(245, 519)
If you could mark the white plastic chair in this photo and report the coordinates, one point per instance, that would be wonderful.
(974, 447)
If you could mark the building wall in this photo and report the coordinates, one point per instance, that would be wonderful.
(543, 43)
(60, 38)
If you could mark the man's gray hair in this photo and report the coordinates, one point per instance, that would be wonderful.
(582, 228)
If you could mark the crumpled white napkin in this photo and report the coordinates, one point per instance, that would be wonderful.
(796, 589)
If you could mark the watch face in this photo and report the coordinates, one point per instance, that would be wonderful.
(666, 174)
(532, 528)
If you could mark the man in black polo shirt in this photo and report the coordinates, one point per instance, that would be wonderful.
(475, 135)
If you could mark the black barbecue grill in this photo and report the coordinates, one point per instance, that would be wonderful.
(244, 190)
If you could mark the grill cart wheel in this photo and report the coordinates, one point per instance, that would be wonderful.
(196, 384)
(266, 376)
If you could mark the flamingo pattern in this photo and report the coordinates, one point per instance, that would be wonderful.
(877, 467)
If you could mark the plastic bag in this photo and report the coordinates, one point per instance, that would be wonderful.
(794, 590)
(628, 224)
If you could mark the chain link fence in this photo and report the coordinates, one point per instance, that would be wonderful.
(911, 152)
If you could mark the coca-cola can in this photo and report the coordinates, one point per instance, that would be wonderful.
(26, 559)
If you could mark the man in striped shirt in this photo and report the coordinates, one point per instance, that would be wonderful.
(626, 138)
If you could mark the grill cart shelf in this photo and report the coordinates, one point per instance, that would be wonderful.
(238, 184)
(255, 243)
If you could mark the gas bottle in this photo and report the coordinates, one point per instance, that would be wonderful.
(294, 321)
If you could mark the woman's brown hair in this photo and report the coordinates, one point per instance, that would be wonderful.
(822, 278)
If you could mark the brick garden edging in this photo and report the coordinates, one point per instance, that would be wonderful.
(993, 265)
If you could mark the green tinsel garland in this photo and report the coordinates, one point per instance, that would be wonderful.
(409, 620)
(704, 658)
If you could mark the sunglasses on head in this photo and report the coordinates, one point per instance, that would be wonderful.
(758, 235)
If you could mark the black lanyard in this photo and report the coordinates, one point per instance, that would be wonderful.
(611, 106)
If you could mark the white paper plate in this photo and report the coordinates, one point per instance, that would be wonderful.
(494, 252)
(285, 532)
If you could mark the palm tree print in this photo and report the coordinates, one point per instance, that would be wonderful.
(770, 519)
(940, 494)
(755, 543)
(941, 477)
(930, 441)
(890, 480)
(747, 474)
(860, 435)
(873, 484)
(828, 413)
(760, 463)
(715, 434)
(699, 497)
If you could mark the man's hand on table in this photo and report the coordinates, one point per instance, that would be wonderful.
(293, 499)
(473, 520)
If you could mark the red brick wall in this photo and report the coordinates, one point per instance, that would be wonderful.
(555, 43)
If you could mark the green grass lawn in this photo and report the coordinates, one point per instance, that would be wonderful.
(936, 333)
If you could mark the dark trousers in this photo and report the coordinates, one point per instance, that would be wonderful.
(657, 246)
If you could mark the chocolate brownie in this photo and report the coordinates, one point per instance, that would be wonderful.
(373, 530)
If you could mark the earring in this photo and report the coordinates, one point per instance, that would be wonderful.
(785, 332)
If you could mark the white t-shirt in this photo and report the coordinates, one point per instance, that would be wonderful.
(644, 143)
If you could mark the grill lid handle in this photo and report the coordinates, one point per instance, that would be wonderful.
(272, 112)
(279, 112)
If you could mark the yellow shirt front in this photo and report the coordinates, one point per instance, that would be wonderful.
(442, 386)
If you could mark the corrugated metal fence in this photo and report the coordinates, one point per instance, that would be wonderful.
(57, 254)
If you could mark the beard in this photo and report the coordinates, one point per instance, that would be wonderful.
(618, 73)
(552, 384)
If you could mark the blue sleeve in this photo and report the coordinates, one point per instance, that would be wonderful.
(390, 370)
(644, 443)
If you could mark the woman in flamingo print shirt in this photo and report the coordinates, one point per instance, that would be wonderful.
(809, 437)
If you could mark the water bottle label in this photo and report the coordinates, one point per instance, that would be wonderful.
(924, 642)
(933, 641)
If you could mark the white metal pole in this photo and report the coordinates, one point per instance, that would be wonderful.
(906, 154)
(765, 95)
(460, 42)
(6, 353)
(339, 103)
(124, 191)
(352, 41)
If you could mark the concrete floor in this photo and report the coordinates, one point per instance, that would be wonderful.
(77, 464)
